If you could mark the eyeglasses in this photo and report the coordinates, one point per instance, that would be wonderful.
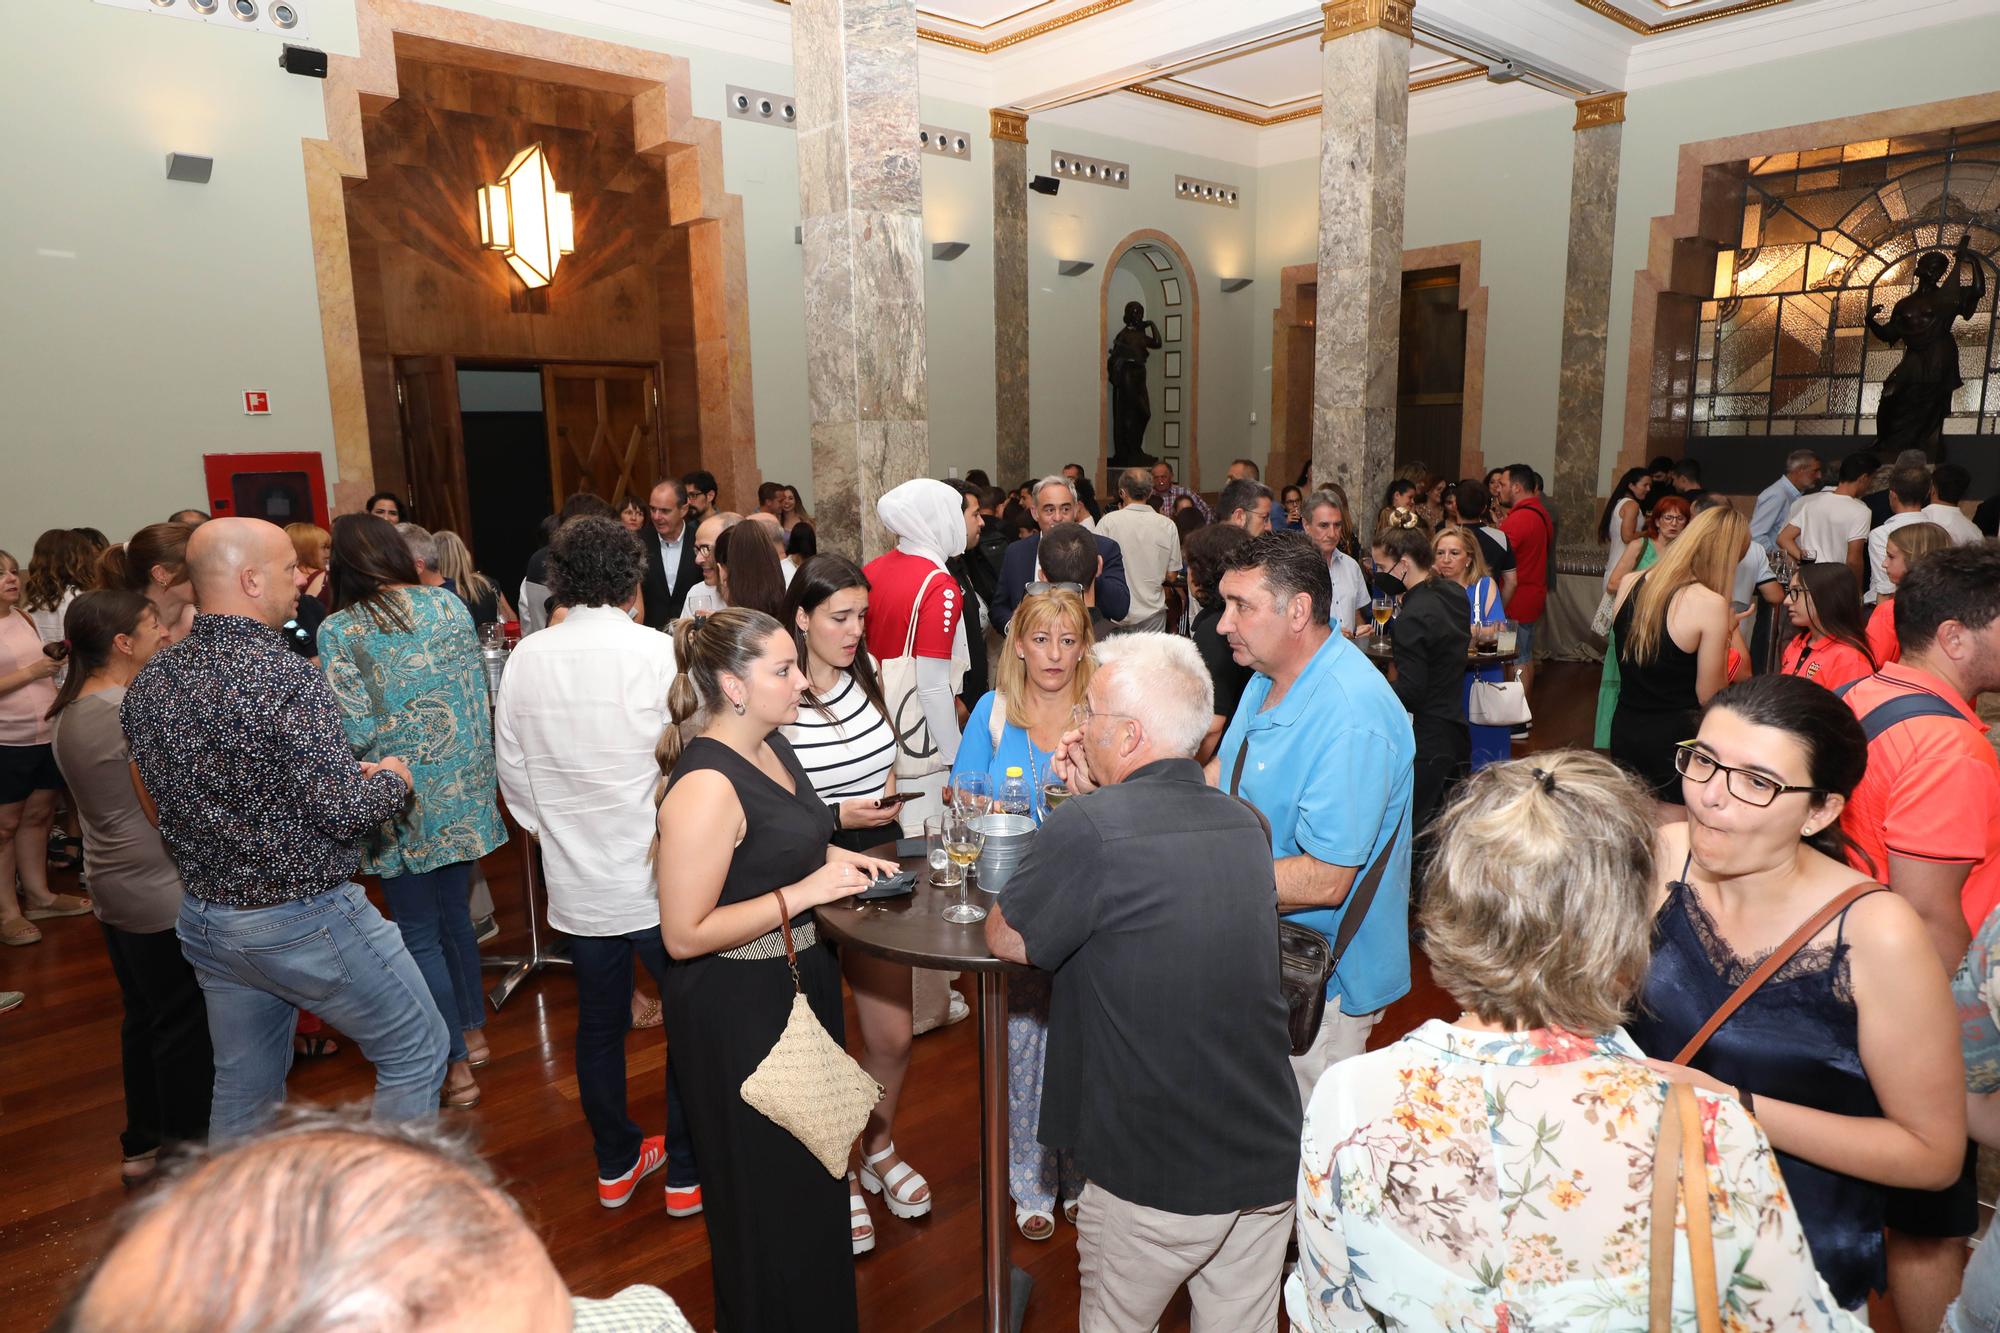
(1795, 592)
(1746, 785)
(1036, 589)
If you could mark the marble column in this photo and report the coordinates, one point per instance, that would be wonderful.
(1010, 296)
(1363, 141)
(1593, 210)
(861, 204)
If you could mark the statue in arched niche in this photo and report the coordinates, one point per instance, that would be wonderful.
(1917, 394)
(1131, 404)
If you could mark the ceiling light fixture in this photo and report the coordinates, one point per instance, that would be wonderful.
(527, 219)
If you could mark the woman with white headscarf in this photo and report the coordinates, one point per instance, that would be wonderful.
(916, 617)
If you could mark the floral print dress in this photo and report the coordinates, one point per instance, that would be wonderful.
(1500, 1182)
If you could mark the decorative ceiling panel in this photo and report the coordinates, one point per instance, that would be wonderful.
(1650, 18)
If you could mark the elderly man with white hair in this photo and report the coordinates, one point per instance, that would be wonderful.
(1152, 900)
(1056, 504)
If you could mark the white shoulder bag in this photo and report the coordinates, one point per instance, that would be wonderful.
(916, 749)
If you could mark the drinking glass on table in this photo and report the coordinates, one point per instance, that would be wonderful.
(962, 842)
(944, 873)
(972, 793)
(1505, 638)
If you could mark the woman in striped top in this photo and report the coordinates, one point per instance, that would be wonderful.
(848, 749)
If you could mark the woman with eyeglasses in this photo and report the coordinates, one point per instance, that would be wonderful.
(1848, 1055)
(1831, 643)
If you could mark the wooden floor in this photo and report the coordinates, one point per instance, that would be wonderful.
(61, 1110)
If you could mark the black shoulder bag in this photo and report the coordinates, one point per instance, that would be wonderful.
(1306, 961)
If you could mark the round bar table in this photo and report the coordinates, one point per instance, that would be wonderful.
(1382, 653)
(912, 930)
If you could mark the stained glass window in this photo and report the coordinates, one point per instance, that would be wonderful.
(1782, 347)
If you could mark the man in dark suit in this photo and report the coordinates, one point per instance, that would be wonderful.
(670, 567)
(1055, 502)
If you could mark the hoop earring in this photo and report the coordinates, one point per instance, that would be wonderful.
(737, 706)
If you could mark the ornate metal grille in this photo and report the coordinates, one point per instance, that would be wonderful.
(1783, 348)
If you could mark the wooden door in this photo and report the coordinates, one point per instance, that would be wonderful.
(433, 443)
(604, 433)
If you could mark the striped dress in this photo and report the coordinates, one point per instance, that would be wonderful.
(847, 749)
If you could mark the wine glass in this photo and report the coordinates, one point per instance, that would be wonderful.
(972, 793)
(944, 874)
(1383, 607)
(962, 844)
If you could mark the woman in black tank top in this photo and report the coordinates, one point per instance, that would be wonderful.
(741, 832)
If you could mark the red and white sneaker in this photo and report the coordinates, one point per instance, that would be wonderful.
(683, 1201)
(616, 1192)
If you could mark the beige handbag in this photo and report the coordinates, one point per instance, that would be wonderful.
(807, 1084)
(1680, 1172)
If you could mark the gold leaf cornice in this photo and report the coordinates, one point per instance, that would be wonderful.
(1346, 16)
(1009, 125)
(1604, 109)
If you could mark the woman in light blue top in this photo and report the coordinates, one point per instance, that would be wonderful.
(1044, 668)
(403, 661)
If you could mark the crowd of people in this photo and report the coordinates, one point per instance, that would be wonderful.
(1258, 741)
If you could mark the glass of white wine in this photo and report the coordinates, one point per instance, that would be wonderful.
(944, 874)
(961, 844)
(1384, 607)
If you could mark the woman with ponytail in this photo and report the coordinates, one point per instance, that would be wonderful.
(154, 562)
(745, 853)
(135, 888)
(1847, 1055)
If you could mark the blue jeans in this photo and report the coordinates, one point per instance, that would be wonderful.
(603, 967)
(430, 909)
(331, 953)
(1977, 1309)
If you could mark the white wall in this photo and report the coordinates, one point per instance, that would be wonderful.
(137, 309)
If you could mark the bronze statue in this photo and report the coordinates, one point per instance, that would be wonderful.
(1917, 394)
(1131, 405)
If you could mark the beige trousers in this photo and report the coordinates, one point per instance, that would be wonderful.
(1341, 1036)
(1132, 1259)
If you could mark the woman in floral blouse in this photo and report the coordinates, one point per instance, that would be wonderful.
(1493, 1173)
(403, 661)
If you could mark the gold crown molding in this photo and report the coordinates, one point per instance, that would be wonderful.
(1297, 113)
(1636, 24)
(1009, 125)
(1604, 109)
(1346, 16)
(1029, 33)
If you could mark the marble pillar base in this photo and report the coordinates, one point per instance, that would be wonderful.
(1364, 131)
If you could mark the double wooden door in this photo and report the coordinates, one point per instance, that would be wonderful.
(602, 424)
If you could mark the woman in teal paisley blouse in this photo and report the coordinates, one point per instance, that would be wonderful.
(403, 661)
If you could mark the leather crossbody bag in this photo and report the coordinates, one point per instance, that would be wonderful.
(1306, 960)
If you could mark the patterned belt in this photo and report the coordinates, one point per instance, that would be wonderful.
(772, 945)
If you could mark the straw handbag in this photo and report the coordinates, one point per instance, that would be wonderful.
(807, 1084)
(1680, 1173)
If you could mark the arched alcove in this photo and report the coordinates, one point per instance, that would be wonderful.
(1151, 267)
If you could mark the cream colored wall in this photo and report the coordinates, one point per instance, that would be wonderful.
(135, 310)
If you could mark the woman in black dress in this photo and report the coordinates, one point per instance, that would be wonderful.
(741, 832)
(1678, 645)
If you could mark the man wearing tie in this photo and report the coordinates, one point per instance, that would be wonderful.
(670, 567)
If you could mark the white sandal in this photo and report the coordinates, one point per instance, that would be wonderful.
(898, 1187)
(860, 1226)
(1035, 1223)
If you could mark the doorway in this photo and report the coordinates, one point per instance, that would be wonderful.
(1149, 267)
(1430, 373)
(492, 448)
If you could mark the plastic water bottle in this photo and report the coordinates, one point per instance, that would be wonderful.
(492, 658)
(1014, 797)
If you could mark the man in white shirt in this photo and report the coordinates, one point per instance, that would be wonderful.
(1151, 544)
(1949, 483)
(580, 708)
(1326, 524)
(1832, 526)
(1802, 469)
(1909, 491)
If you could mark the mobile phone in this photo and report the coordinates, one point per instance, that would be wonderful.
(895, 798)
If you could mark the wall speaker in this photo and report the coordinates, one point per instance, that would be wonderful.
(303, 61)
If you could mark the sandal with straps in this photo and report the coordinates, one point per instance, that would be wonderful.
(898, 1186)
(860, 1226)
(1035, 1223)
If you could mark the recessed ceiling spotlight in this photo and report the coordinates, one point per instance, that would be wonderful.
(203, 6)
(284, 15)
(245, 10)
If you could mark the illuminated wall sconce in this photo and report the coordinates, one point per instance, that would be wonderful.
(1235, 284)
(949, 250)
(1069, 268)
(527, 219)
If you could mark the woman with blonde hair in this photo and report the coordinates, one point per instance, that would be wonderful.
(1045, 667)
(481, 595)
(1678, 645)
(1495, 1171)
(1903, 547)
(1459, 559)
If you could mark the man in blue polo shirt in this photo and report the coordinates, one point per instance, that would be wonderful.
(1321, 746)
